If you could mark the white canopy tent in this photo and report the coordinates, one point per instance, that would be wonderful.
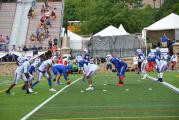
(112, 31)
(75, 40)
(169, 22)
(108, 31)
(122, 31)
(168, 25)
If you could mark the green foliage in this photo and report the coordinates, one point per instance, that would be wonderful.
(95, 15)
(169, 6)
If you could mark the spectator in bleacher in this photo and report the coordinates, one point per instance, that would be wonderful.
(47, 14)
(46, 33)
(46, 3)
(48, 22)
(32, 37)
(43, 18)
(50, 44)
(55, 40)
(35, 50)
(43, 9)
(31, 13)
(7, 40)
(53, 15)
(2, 39)
(34, 4)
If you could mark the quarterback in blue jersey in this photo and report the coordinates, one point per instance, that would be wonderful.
(58, 70)
(121, 68)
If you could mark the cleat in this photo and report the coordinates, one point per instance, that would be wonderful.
(59, 83)
(90, 89)
(68, 82)
(120, 84)
(8, 92)
(23, 87)
(30, 90)
(52, 90)
(160, 80)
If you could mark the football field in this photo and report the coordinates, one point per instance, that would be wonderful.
(137, 100)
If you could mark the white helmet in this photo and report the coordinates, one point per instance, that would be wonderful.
(109, 57)
(30, 59)
(54, 58)
(79, 58)
(157, 49)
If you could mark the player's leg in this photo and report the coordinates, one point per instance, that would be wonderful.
(121, 74)
(143, 69)
(46, 75)
(39, 76)
(14, 83)
(27, 84)
(89, 79)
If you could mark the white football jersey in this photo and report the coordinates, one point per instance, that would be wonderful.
(23, 68)
(43, 66)
(21, 60)
(36, 63)
(91, 67)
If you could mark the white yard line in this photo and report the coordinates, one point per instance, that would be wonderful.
(175, 89)
(119, 117)
(46, 101)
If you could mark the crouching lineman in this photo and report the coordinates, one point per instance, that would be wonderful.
(88, 71)
(121, 68)
(44, 69)
(143, 60)
(22, 73)
(58, 70)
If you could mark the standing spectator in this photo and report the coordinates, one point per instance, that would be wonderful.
(43, 9)
(34, 4)
(35, 50)
(174, 61)
(135, 62)
(7, 40)
(13, 53)
(1, 39)
(108, 65)
(25, 49)
(50, 44)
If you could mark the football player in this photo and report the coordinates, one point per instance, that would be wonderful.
(121, 68)
(44, 69)
(58, 70)
(22, 73)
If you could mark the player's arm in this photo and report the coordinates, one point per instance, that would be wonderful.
(48, 70)
(26, 71)
(65, 74)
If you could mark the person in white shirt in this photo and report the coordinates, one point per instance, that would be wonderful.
(22, 73)
(44, 69)
(135, 62)
(174, 61)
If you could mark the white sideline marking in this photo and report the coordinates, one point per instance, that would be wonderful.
(46, 101)
(125, 117)
(175, 89)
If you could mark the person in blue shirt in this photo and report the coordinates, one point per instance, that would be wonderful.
(121, 68)
(58, 70)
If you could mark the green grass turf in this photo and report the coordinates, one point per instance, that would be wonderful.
(134, 101)
(170, 77)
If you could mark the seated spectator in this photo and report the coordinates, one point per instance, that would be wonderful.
(2, 39)
(48, 22)
(32, 37)
(53, 15)
(47, 14)
(43, 9)
(46, 33)
(43, 18)
(50, 44)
